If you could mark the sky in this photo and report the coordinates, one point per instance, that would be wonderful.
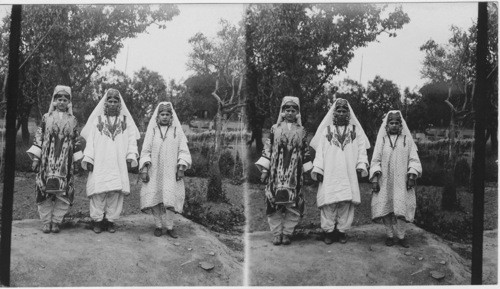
(394, 58)
(166, 51)
(397, 58)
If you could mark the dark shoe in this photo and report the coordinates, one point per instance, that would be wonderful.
(157, 232)
(46, 228)
(342, 237)
(277, 240)
(97, 227)
(403, 243)
(329, 238)
(389, 242)
(111, 227)
(286, 240)
(55, 228)
(172, 234)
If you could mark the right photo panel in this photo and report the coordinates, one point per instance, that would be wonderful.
(373, 151)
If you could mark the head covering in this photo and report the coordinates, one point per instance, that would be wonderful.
(341, 119)
(286, 99)
(405, 131)
(99, 110)
(328, 120)
(57, 90)
(175, 121)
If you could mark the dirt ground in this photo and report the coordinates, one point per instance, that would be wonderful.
(25, 205)
(364, 260)
(130, 257)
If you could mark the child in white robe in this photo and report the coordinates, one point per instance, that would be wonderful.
(164, 159)
(340, 145)
(395, 166)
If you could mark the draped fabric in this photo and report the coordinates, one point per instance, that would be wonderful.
(55, 148)
(111, 141)
(284, 155)
(394, 157)
(164, 148)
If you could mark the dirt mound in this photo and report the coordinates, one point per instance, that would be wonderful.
(364, 260)
(132, 256)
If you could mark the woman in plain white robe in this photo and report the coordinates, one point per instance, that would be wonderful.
(111, 147)
(164, 158)
(394, 168)
(340, 145)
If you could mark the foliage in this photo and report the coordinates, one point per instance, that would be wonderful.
(226, 163)
(183, 103)
(198, 90)
(372, 103)
(455, 65)
(454, 226)
(462, 172)
(227, 136)
(221, 221)
(148, 89)
(428, 109)
(295, 49)
(67, 44)
(223, 58)
(141, 93)
(460, 146)
(215, 191)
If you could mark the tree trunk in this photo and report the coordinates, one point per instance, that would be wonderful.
(25, 132)
(478, 163)
(215, 192)
(12, 93)
(449, 199)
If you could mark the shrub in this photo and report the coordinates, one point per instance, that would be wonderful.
(193, 205)
(454, 226)
(226, 164)
(23, 161)
(238, 167)
(432, 172)
(199, 166)
(462, 172)
(225, 221)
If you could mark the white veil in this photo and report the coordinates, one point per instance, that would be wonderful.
(175, 120)
(99, 110)
(328, 119)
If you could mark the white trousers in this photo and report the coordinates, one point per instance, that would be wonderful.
(283, 223)
(393, 226)
(52, 211)
(110, 203)
(339, 214)
(166, 217)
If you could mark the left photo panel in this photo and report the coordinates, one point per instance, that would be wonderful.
(130, 140)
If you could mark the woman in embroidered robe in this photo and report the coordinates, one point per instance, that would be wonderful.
(284, 158)
(394, 168)
(164, 158)
(340, 145)
(111, 137)
(54, 151)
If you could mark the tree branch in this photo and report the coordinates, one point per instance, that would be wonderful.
(214, 93)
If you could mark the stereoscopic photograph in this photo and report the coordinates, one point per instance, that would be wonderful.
(249, 144)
